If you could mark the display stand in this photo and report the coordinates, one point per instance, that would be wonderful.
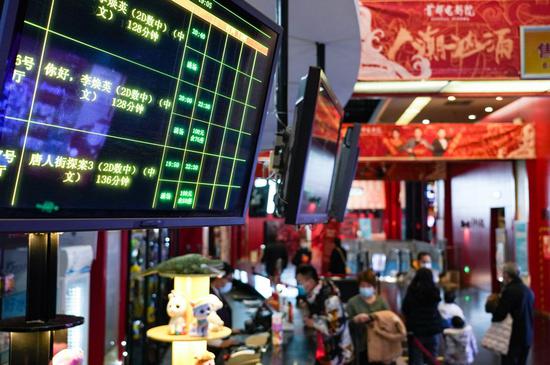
(31, 339)
(186, 348)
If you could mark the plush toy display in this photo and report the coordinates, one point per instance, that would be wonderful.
(176, 309)
(215, 323)
(68, 357)
(204, 311)
(201, 310)
(207, 358)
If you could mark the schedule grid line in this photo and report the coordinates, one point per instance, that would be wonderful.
(214, 124)
(169, 129)
(226, 65)
(16, 186)
(117, 137)
(225, 132)
(200, 183)
(239, 138)
(210, 117)
(142, 65)
(182, 168)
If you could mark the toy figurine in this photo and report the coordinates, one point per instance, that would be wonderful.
(201, 310)
(207, 358)
(215, 323)
(205, 317)
(176, 310)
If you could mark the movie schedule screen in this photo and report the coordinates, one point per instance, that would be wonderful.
(133, 106)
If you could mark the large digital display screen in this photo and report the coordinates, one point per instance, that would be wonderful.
(133, 108)
(321, 159)
(312, 160)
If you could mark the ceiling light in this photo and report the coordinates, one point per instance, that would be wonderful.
(451, 98)
(499, 98)
(496, 86)
(472, 117)
(399, 87)
(413, 110)
(489, 109)
(452, 87)
(426, 121)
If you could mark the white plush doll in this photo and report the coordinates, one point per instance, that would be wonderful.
(176, 309)
(215, 323)
(68, 357)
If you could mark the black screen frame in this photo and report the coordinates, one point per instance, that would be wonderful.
(346, 167)
(12, 20)
(301, 145)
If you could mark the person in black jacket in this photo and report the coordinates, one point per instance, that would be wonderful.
(338, 259)
(275, 259)
(422, 317)
(518, 301)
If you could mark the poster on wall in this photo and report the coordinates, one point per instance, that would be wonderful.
(447, 39)
(483, 141)
(535, 52)
(520, 237)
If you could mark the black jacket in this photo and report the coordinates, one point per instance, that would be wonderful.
(225, 314)
(422, 317)
(338, 261)
(518, 300)
(272, 253)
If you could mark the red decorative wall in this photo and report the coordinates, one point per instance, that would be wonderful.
(473, 194)
(535, 110)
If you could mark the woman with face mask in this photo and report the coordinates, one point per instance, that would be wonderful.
(360, 309)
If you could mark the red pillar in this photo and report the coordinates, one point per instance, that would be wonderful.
(539, 225)
(97, 302)
(448, 214)
(393, 214)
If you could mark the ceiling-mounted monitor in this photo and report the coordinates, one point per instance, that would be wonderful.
(129, 113)
(312, 159)
(346, 167)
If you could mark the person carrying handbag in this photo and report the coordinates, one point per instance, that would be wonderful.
(515, 304)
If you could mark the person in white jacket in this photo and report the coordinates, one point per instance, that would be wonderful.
(460, 343)
(448, 308)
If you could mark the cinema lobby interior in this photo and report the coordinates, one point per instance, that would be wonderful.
(276, 182)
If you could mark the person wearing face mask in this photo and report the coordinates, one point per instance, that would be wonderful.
(325, 313)
(360, 309)
(517, 300)
(423, 260)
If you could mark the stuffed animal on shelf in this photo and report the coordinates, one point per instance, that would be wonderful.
(68, 357)
(201, 310)
(207, 358)
(176, 309)
(205, 317)
(215, 323)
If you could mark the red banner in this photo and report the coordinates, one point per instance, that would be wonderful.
(483, 141)
(447, 39)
